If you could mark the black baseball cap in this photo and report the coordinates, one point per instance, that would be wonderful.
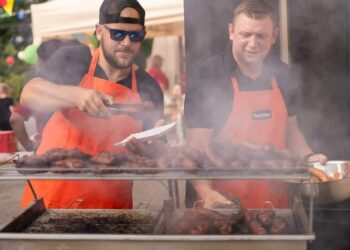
(110, 12)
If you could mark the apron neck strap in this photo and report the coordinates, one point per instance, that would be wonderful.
(236, 87)
(133, 78)
(93, 66)
(274, 83)
(94, 61)
(235, 84)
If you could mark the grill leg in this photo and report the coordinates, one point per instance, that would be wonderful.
(173, 189)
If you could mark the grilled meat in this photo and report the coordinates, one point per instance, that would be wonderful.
(204, 221)
(150, 150)
(279, 226)
(57, 154)
(255, 156)
(69, 166)
(31, 165)
(249, 216)
(256, 227)
(200, 227)
(110, 159)
(266, 217)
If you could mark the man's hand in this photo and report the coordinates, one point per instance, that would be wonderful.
(213, 198)
(154, 148)
(213, 157)
(94, 103)
(201, 139)
(210, 197)
(159, 123)
(317, 158)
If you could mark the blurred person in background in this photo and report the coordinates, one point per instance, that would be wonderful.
(155, 70)
(245, 95)
(21, 114)
(77, 88)
(6, 104)
(7, 136)
(46, 49)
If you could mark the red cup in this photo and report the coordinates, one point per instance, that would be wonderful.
(8, 142)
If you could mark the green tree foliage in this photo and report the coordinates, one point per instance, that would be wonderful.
(10, 27)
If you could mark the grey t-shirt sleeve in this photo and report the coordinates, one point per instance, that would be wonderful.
(67, 65)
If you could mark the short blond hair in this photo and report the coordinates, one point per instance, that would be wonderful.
(255, 9)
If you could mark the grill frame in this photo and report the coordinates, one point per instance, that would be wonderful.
(152, 241)
(156, 241)
(10, 172)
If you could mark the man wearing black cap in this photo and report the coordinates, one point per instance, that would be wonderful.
(77, 89)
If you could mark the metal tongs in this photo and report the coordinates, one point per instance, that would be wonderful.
(121, 108)
(136, 110)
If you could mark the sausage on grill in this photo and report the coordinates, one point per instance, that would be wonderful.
(279, 226)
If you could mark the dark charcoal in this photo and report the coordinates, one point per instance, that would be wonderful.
(93, 222)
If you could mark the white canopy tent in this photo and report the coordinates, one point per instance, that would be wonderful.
(164, 20)
(66, 17)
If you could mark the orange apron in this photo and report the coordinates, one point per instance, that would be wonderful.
(72, 129)
(258, 117)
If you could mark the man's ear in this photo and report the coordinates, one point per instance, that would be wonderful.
(276, 33)
(231, 27)
(98, 31)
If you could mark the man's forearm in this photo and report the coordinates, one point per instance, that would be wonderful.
(17, 124)
(200, 139)
(202, 187)
(296, 141)
(42, 96)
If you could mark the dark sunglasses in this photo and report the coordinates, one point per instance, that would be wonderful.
(119, 35)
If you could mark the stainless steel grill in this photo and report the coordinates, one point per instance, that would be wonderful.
(157, 236)
(15, 234)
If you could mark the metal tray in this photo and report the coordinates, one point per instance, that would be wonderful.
(325, 192)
